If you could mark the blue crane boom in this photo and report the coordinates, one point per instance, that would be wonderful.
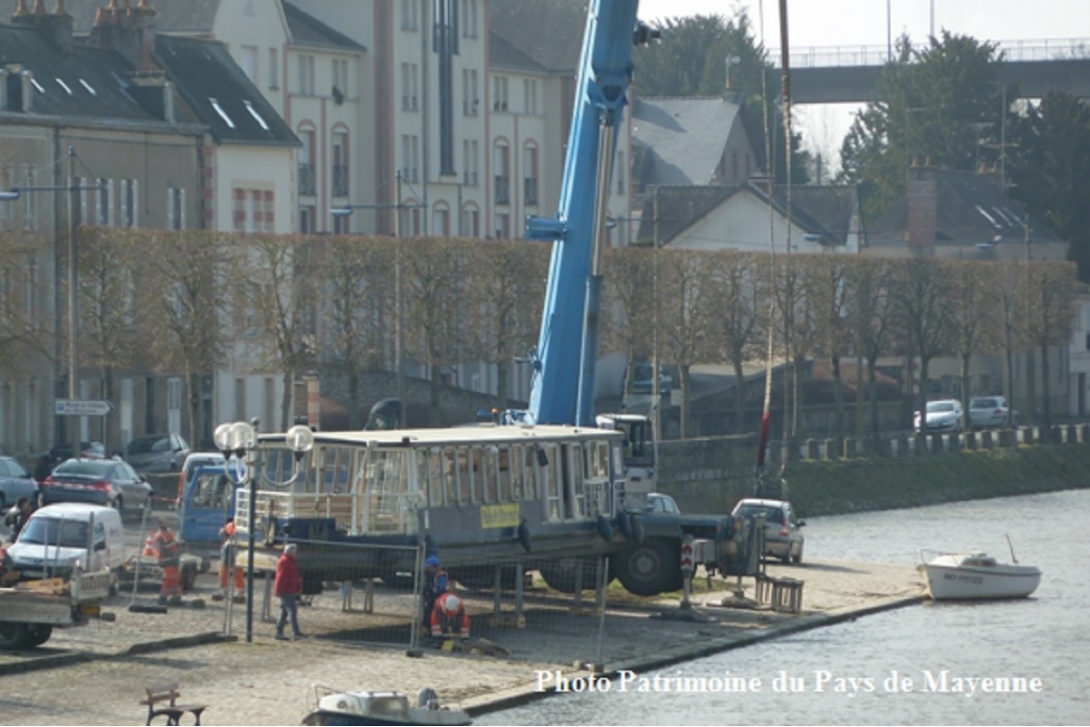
(562, 389)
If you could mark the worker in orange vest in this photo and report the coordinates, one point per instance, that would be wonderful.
(227, 558)
(166, 547)
(449, 617)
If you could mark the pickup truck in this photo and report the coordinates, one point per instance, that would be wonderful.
(29, 610)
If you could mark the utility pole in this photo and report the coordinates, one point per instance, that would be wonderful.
(399, 332)
(73, 295)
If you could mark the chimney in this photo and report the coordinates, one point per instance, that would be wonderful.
(56, 27)
(923, 205)
(127, 30)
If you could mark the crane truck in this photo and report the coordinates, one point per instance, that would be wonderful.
(562, 389)
(552, 488)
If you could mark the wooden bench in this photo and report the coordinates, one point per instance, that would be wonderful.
(168, 694)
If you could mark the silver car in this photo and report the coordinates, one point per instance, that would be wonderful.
(941, 415)
(783, 537)
(157, 453)
(988, 411)
(15, 482)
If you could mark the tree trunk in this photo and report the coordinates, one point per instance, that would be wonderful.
(872, 392)
(286, 402)
(685, 380)
(1046, 393)
(739, 398)
(838, 399)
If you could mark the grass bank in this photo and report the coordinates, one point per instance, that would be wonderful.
(886, 483)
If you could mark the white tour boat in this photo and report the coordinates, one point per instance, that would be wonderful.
(973, 574)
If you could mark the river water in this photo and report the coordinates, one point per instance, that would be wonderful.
(903, 666)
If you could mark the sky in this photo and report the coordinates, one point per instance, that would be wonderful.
(851, 23)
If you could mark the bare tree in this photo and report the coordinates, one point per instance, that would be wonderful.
(972, 315)
(686, 302)
(111, 310)
(741, 309)
(280, 296)
(628, 317)
(435, 273)
(925, 292)
(357, 275)
(874, 310)
(189, 270)
(826, 293)
(506, 295)
(1052, 311)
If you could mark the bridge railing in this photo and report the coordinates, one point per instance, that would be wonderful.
(875, 55)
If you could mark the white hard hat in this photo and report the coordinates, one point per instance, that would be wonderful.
(452, 604)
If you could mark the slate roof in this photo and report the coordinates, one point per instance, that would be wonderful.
(682, 139)
(502, 54)
(219, 92)
(548, 31)
(88, 83)
(971, 211)
(820, 210)
(189, 17)
(308, 30)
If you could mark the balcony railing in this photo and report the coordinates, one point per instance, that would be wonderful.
(340, 180)
(529, 191)
(306, 180)
(503, 190)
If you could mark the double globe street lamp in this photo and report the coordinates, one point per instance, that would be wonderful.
(239, 440)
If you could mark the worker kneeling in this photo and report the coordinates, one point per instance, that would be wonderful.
(449, 617)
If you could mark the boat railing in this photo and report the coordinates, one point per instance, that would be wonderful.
(354, 513)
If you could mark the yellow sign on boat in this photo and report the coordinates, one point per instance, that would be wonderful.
(500, 516)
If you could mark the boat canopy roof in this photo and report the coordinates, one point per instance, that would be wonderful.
(464, 436)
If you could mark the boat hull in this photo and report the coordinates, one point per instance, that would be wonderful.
(333, 718)
(957, 583)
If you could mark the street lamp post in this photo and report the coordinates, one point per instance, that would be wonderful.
(239, 439)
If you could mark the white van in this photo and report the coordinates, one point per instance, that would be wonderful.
(56, 537)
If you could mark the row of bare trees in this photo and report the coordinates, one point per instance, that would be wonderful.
(193, 302)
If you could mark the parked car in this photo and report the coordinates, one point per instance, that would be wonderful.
(63, 451)
(15, 482)
(55, 539)
(109, 482)
(157, 453)
(942, 415)
(783, 537)
(988, 411)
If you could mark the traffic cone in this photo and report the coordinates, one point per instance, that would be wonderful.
(150, 551)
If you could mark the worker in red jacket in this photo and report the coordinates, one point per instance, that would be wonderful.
(449, 617)
(166, 547)
(288, 586)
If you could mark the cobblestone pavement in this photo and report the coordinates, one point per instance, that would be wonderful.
(268, 682)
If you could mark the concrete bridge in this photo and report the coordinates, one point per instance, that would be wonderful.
(849, 74)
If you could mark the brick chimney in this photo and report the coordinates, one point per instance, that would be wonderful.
(56, 27)
(127, 30)
(923, 205)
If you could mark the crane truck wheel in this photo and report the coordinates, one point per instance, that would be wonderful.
(38, 634)
(650, 568)
(560, 575)
(14, 635)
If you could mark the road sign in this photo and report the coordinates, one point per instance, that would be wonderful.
(82, 408)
